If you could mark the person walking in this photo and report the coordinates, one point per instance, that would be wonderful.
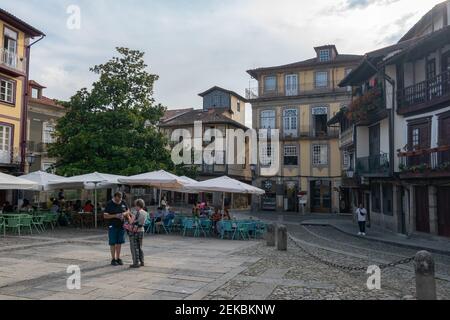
(135, 228)
(362, 218)
(115, 211)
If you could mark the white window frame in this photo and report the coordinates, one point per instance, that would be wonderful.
(345, 160)
(268, 119)
(290, 121)
(290, 151)
(48, 129)
(324, 55)
(291, 84)
(7, 91)
(266, 155)
(5, 143)
(415, 135)
(320, 155)
(324, 82)
(47, 165)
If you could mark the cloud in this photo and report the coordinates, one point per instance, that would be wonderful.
(362, 4)
(194, 45)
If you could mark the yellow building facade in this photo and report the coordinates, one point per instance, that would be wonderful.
(298, 100)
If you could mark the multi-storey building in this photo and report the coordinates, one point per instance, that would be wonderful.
(43, 114)
(222, 110)
(16, 41)
(401, 117)
(298, 99)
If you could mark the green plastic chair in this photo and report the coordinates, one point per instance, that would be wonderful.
(226, 228)
(48, 220)
(242, 230)
(26, 221)
(54, 221)
(13, 223)
(3, 225)
(38, 222)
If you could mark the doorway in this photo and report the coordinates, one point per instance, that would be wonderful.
(320, 196)
(422, 209)
(443, 211)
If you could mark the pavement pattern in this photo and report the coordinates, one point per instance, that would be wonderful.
(178, 268)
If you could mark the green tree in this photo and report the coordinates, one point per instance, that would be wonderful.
(113, 127)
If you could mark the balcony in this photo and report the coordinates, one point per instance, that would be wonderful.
(368, 108)
(37, 147)
(10, 158)
(346, 138)
(375, 166)
(256, 93)
(425, 95)
(434, 162)
(12, 64)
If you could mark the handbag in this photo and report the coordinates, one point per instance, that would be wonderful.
(131, 226)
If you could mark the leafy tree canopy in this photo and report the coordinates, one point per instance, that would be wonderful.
(113, 127)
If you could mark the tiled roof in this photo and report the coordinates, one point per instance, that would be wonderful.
(212, 116)
(224, 90)
(46, 101)
(171, 114)
(340, 58)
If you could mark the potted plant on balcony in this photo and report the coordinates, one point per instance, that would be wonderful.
(361, 106)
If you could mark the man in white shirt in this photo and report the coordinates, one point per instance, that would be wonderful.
(362, 218)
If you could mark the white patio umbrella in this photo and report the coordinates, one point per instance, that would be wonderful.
(42, 180)
(225, 185)
(90, 181)
(8, 182)
(161, 179)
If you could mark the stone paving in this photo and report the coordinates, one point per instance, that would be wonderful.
(197, 268)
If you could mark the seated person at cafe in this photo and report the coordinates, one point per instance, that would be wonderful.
(88, 207)
(226, 215)
(7, 208)
(77, 206)
(26, 206)
(55, 207)
(159, 214)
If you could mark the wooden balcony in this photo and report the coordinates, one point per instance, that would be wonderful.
(426, 95)
(373, 166)
(425, 163)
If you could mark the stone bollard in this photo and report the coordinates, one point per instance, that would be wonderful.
(270, 235)
(281, 238)
(425, 281)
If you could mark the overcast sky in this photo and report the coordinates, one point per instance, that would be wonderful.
(195, 44)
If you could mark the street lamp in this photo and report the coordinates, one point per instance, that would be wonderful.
(31, 159)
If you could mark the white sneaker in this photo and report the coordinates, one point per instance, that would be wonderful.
(359, 233)
(363, 234)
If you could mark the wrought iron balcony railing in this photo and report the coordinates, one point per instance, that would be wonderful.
(372, 165)
(12, 60)
(419, 161)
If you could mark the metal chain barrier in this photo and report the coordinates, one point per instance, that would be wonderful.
(347, 268)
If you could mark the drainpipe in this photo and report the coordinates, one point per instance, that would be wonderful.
(24, 118)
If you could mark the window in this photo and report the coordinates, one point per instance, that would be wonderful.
(48, 167)
(270, 83)
(324, 55)
(239, 106)
(6, 91)
(320, 119)
(291, 84)
(347, 72)
(217, 100)
(320, 155)
(10, 47)
(415, 135)
(321, 80)
(5, 144)
(34, 93)
(345, 160)
(290, 121)
(290, 156)
(268, 119)
(388, 195)
(266, 155)
(47, 132)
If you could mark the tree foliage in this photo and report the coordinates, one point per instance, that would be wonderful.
(112, 128)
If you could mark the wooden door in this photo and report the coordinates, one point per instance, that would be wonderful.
(443, 211)
(422, 209)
